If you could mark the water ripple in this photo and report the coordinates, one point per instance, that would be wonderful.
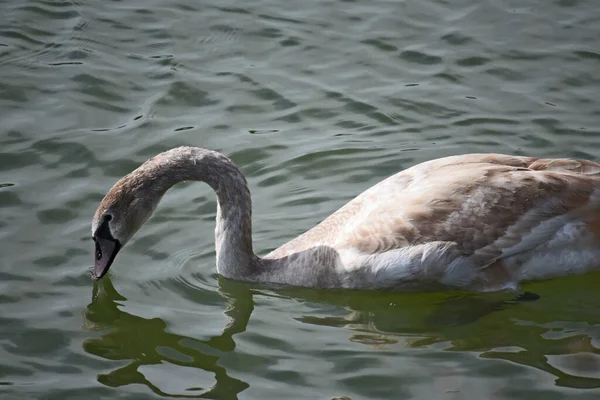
(315, 102)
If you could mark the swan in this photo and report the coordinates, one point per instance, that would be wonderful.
(477, 222)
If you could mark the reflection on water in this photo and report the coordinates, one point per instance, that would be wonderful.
(490, 325)
(142, 342)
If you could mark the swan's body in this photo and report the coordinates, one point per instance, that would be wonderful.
(475, 222)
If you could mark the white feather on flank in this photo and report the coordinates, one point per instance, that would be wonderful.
(571, 250)
(430, 265)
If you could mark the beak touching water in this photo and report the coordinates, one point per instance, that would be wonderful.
(106, 251)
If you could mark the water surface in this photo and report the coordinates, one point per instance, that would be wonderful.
(315, 101)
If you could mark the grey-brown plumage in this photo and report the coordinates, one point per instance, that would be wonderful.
(476, 221)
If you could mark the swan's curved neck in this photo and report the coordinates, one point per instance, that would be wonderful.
(233, 233)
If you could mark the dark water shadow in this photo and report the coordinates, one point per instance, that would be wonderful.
(564, 322)
(139, 341)
(492, 325)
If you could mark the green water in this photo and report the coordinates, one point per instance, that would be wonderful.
(315, 101)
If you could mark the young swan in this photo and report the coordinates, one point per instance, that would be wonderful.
(477, 222)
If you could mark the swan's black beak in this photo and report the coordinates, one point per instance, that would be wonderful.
(106, 251)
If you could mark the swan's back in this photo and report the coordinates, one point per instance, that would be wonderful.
(485, 205)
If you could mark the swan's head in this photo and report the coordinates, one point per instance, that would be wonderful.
(121, 213)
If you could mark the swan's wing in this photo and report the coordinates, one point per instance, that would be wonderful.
(489, 211)
(490, 206)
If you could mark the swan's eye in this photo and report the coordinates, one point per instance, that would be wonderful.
(107, 217)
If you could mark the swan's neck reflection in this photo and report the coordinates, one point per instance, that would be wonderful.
(144, 342)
